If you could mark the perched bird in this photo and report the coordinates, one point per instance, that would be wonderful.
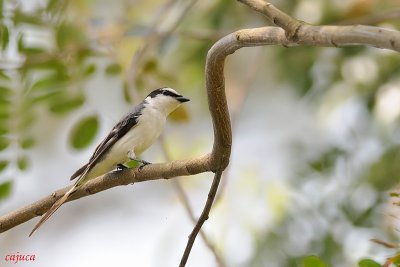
(132, 135)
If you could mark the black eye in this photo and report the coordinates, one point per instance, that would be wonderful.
(169, 93)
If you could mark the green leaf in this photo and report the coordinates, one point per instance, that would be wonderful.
(132, 164)
(56, 65)
(90, 70)
(4, 113)
(54, 6)
(385, 173)
(1, 9)
(69, 35)
(26, 121)
(25, 49)
(127, 95)
(83, 132)
(22, 163)
(27, 142)
(368, 263)
(62, 106)
(150, 66)
(113, 69)
(3, 128)
(4, 101)
(4, 91)
(32, 50)
(20, 42)
(394, 194)
(21, 17)
(48, 88)
(48, 95)
(85, 52)
(313, 261)
(5, 189)
(50, 82)
(326, 161)
(3, 164)
(5, 106)
(5, 37)
(4, 142)
(4, 76)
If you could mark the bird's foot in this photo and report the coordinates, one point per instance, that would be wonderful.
(121, 167)
(143, 163)
(132, 156)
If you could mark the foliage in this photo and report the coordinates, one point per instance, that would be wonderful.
(313, 261)
(41, 73)
(368, 263)
(5, 189)
(83, 132)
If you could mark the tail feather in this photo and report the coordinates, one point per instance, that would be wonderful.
(79, 172)
(53, 209)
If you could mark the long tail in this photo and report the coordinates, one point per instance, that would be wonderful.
(79, 172)
(54, 208)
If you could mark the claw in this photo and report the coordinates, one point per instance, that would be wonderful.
(121, 167)
(143, 163)
(132, 156)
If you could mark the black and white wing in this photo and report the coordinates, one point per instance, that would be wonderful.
(119, 130)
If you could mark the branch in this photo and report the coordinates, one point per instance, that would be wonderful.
(107, 181)
(154, 37)
(185, 200)
(203, 217)
(299, 33)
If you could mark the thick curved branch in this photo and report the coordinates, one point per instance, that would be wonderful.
(300, 33)
(125, 177)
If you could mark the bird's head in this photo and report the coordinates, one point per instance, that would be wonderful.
(165, 99)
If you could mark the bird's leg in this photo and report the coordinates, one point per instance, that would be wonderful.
(132, 156)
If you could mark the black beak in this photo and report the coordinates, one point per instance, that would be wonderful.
(182, 99)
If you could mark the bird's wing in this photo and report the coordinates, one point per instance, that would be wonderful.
(119, 130)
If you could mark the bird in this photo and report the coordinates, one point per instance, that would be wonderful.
(131, 136)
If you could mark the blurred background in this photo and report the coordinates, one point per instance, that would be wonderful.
(316, 136)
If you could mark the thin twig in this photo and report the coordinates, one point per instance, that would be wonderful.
(385, 16)
(147, 42)
(203, 217)
(153, 38)
(185, 200)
